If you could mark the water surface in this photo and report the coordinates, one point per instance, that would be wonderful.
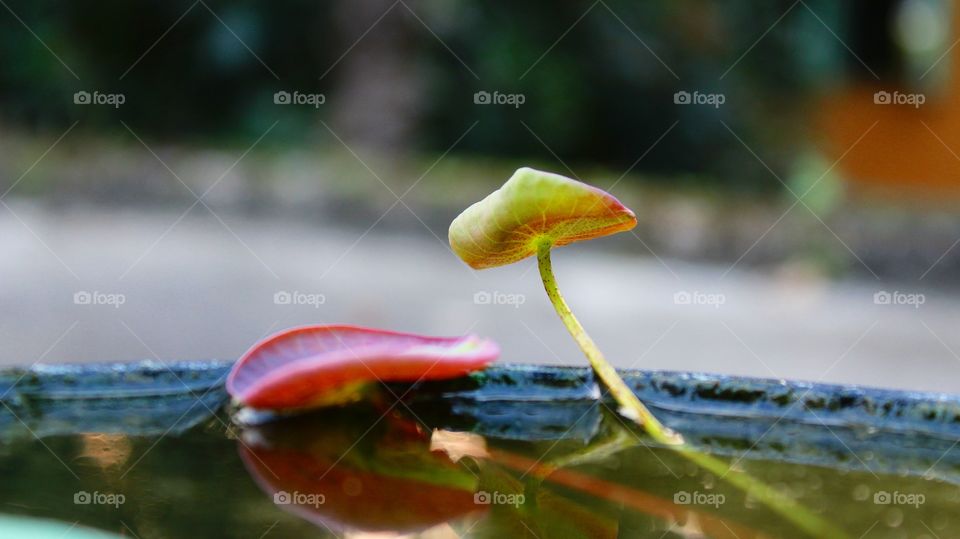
(332, 474)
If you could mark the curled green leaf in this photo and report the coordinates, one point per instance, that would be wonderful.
(531, 209)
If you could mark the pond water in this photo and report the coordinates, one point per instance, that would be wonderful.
(151, 450)
(379, 469)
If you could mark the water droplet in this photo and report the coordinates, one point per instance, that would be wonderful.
(893, 517)
(709, 481)
(815, 482)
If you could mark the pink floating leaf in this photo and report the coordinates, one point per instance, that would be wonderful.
(303, 367)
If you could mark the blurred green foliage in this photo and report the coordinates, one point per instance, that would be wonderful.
(598, 78)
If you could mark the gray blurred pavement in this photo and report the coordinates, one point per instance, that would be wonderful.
(209, 286)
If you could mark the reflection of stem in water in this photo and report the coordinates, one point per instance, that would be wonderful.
(620, 440)
(631, 406)
(780, 503)
(632, 498)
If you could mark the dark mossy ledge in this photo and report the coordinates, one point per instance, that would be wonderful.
(721, 395)
(676, 392)
(138, 398)
(847, 427)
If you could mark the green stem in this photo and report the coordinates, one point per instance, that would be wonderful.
(785, 506)
(631, 407)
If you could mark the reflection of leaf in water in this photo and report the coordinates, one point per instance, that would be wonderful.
(355, 499)
(386, 479)
(536, 512)
(560, 517)
(397, 477)
(458, 444)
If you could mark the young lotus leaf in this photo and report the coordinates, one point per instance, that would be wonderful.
(535, 211)
(530, 209)
(530, 214)
(314, 365)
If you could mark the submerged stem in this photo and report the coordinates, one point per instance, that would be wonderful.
(630, 405)
(780, 503)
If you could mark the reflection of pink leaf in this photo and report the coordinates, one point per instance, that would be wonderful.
(358, 498)
(299, 367)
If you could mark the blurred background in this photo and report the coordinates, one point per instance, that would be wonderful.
(180, 179)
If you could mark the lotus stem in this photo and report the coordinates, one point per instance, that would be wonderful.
(630, 405)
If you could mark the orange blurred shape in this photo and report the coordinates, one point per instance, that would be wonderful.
(897, 149)
(106, 450)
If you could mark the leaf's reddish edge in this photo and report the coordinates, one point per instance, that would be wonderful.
(611, 206)
(284, 372)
